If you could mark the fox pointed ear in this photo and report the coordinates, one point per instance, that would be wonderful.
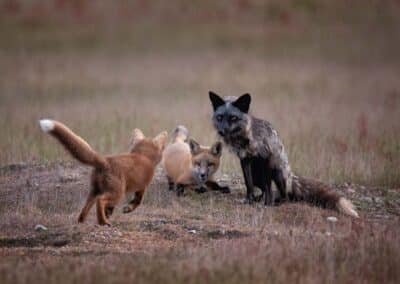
(161, 139)
(216, 100)
(243, 103)
(137, 135)
(216, 149)
(194, 147)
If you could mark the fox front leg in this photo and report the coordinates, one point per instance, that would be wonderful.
(200, 189)
(216, 187)
(180, 189)
(246, 168)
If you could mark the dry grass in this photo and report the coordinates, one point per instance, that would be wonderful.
(193, 239)
(329, 85)
(325, 74)
(339, 123)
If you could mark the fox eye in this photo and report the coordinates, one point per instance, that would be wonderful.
(233, 118)
(219, 117)
(210, 165)
(197, 164)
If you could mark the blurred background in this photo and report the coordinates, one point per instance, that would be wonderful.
(324, 73)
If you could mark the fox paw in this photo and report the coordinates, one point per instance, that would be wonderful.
(247, 200)
(201, 189)
(105, 223)
(225, 189)
(127, 209)
(180, 190)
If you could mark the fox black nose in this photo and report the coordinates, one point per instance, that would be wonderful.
(203, 175)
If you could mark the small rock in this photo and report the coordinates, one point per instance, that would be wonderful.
(368, 199)
(328, 234)
(332, 219)
(40, 228)
(350, 190)
(192, 231)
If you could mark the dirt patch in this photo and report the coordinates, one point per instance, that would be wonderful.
(229, 234)
(53, 239)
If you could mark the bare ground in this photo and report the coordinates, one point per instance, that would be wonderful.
(211, 236)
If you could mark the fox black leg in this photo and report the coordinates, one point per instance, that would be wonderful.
(200, 189)
(216, 187)
(109, 211)
(246, 168)
(180, 189)
(261, 175)
(268, 196)
(280, 182)
(171, 184)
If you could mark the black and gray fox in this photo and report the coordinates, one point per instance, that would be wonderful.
(263, 157)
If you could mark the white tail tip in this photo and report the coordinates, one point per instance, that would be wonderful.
(46, 125)
(346, 207)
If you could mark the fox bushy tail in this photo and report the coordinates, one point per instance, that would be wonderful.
(320, 194)
(78, 147)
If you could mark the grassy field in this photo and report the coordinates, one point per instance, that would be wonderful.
(325, 74)
(331, 90)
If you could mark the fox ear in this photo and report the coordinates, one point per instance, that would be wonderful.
(161, 139)
(137, 135)
(216, 100)
(216, 149)
(194, 147)
(243, 103)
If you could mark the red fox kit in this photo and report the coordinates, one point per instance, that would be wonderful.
(114, 175)
(191, 164)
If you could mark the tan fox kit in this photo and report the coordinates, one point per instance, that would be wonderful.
(191, 165)
(114, 175)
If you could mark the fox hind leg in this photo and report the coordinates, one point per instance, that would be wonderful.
(91, 199)
(109, 211)
(101, 211)
(171, 184)
(280, 183)
(134, 203)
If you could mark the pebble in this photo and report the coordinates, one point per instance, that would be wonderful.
(368, 199)
(192, 231)
(40, 228)
(332, 219)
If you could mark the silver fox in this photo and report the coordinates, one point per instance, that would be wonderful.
(263, 157)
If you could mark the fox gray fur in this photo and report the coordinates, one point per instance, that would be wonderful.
(263, 157)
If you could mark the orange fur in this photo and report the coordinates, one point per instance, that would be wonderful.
(114, 175)
(184, 162)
